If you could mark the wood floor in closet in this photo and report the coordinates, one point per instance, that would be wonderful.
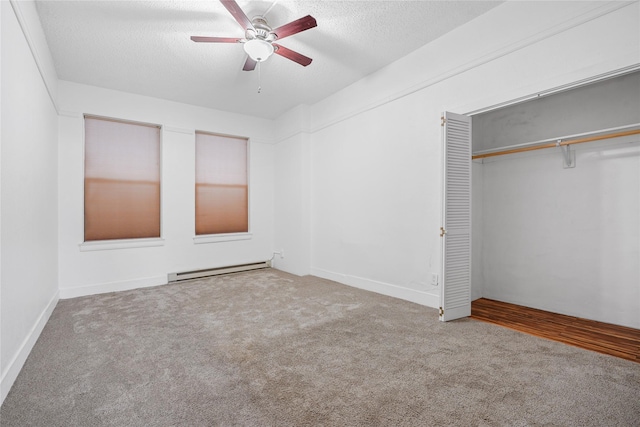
(604, 338)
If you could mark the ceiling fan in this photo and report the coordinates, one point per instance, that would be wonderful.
(259, 41)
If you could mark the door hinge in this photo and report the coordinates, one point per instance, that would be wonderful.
(442, 120)
(442, 231)
(441, 312)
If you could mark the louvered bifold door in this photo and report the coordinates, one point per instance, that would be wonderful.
(456, 228)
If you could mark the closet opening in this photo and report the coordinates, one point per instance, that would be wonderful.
(556, 201)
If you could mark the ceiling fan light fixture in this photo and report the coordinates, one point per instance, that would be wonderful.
(259, 50)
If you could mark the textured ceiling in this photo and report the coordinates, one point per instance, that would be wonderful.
(143, 47)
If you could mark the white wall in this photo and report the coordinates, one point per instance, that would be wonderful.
(566, 240)
(292, 225)
(477, 230)
(87, 272)
(375, 146)
(375, 196)
(29, 217)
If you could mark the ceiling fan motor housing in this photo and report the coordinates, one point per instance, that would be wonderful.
(261, 30)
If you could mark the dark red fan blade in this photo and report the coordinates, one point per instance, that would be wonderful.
(249, 64)
(295, 27)
(292, 55)
(237, 13)
(215, 39)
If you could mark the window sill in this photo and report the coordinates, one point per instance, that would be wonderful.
(216, 238)
(105, 245)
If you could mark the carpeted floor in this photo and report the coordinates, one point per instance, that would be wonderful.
(266, 348)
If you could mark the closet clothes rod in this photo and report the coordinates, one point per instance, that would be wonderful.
(559, 142)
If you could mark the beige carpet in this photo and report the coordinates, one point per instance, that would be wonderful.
(269, 349)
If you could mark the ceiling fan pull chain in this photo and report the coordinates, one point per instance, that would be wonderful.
(259, 86)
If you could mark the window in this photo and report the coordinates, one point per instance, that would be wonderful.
(121, 180)
(222, 199)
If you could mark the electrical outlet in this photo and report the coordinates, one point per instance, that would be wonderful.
(434, 279)
(281, 253)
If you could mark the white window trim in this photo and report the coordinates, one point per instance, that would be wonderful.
(105, 245)
(226, 237)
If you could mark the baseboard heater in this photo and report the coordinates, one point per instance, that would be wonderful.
(196, 274)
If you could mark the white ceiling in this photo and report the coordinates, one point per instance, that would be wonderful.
(143, 47)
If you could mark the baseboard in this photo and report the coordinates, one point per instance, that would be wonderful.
(418, 297)
(103, 288)
(13, 369)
